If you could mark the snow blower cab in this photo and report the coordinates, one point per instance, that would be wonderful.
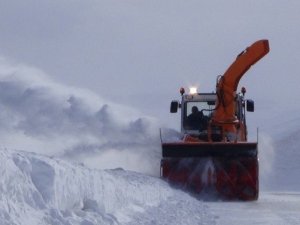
(197, 112)
(214, 156)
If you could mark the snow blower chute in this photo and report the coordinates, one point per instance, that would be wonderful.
(213, 154)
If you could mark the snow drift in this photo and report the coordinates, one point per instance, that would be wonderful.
(40, 115)
(38, 190)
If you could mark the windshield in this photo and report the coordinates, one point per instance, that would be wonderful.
(197, 114)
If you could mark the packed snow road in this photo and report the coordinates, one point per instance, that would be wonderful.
(271, 208)
(36, 189)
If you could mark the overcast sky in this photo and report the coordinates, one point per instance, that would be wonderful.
(140, 52)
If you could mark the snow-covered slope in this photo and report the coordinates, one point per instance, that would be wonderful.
(39, 190)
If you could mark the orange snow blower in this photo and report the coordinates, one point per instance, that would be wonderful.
(213, 154)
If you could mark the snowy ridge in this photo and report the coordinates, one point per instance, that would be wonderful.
(39, 190)
(63, 193)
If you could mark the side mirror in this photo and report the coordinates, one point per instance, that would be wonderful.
(250, 105)
(174, 106)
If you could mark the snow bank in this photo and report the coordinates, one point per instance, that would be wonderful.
(40, 115)
(38, 190)
(56, 192)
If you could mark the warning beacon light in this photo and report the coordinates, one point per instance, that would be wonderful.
(193, 90)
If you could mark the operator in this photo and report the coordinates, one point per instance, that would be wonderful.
(194, 120)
